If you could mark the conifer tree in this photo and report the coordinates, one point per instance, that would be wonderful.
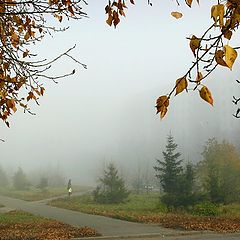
(112, 187)
(169, 169)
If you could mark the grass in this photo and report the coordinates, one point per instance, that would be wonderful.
(19, 217)
(34, 194)
(147, 208)
(1, 205)
(134, 207)
(230, 210)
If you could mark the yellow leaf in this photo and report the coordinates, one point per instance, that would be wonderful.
(109, 20)
(230, 56)
(206, 95)
(199, 77)
(217, 13)
(181, 84)
(177, 15)
(163, 112)
(194, 44)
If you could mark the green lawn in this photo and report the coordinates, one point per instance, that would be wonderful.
(34, 194)
(135, 206)
(148, 209)
(19, 217)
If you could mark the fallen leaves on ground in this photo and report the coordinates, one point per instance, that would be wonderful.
(189, 222)
(178, 221)
(43, 229)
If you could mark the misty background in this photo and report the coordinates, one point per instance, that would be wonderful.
(106, 113)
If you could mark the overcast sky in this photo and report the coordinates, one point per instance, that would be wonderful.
(106, 113)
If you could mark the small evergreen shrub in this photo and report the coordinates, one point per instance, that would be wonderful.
(206, 209)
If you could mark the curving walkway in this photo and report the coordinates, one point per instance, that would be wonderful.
(104, 225)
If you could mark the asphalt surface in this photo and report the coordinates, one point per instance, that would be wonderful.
(104, 225)
(108, 227)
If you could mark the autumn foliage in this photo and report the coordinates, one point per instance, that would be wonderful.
(22, 24)
(210, 50)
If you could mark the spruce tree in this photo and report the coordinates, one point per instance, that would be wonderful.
(112, 188)
(169, 169)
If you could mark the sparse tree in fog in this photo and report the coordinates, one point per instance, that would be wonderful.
(3, 178)
(220, 171)
(20, 181)
(112, 187)
(43, 184)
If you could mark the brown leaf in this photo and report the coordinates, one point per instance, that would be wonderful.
(194, 44)
(219, 54)
(177, 15)
(189, 2)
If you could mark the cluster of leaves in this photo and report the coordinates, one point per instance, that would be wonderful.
(41, 229)
(209, 50)
(22, 24)
(114, 10)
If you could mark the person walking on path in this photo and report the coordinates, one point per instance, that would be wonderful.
(69, 187)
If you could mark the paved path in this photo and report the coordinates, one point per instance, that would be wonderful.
(108, 226)
(202, 236)
(104, 225)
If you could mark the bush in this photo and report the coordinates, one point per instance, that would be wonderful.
(20, 181)
(206, 209)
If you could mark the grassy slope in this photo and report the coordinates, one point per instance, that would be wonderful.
(34, 194)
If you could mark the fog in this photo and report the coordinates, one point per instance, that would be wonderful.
(106, 113)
